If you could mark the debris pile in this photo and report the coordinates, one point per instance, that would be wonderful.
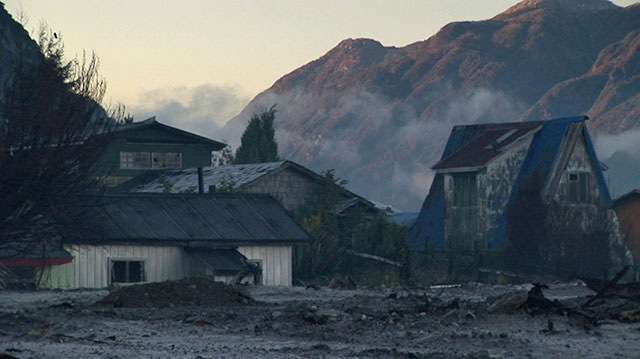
(612, 301)
(184, 292)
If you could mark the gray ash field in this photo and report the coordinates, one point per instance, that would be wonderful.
(468, 321)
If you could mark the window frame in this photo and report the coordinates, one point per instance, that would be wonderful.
(128, 160)
(165, 156)
(143, 272)
(578, 187)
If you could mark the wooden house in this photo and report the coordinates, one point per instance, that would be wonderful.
(149, 145)
(136, 238)
(517, 188)
(288, 182)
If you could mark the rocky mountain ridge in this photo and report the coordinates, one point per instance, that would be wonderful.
(380, 115)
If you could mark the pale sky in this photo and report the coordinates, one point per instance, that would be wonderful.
(152, 49)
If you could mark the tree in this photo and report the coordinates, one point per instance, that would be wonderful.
(224, 157)
(52, 132)
(258, 144)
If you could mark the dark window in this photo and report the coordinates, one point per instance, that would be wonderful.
(463, 228)
(127, 271)
(165, 160)
(579, 188)
(465, 191)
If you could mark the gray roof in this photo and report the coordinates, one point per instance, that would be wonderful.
(226, 218)
(222, 260)
(151, 122)
(187, 179)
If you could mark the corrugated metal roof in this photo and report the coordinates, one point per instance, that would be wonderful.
(475, 145)
(238, 176)
(221, 217)
(187, 179)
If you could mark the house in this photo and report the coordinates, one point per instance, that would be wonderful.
(531, 191)
(135, 238)
(628, 210)
(290, 183)
(149, 145)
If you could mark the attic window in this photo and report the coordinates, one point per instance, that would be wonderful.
(579, 188)
(127, 271)
(166, 160)
(135, 160)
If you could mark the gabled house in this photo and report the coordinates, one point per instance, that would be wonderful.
(523, 189)
(149, 145)
(290, 183)
(136, 238)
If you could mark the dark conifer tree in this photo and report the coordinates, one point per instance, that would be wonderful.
(258, 143)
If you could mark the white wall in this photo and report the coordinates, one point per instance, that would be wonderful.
(90, 265)
(276, 263)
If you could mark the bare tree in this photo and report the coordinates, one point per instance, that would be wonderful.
(53, 131)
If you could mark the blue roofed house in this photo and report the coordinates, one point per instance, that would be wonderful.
(533, 192)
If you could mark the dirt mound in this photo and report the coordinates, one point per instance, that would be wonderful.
(184, 292)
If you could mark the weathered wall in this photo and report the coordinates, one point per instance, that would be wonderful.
(288, 186)
(628, 212)
(275, 261)
(494, 187)
(579, 162)
(90, 265)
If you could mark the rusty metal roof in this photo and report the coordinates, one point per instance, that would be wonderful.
(226, 218)
(481, 143)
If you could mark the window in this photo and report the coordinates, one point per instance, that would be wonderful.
(166, 160)
(127, 271)
(463, 223)
(579, 188)
(134, 160)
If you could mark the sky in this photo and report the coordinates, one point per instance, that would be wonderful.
(203, 60)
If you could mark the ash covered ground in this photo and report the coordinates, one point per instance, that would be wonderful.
(468, 321)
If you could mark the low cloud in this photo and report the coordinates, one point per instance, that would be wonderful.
(202, 109)
(627, 142)
(392, 163)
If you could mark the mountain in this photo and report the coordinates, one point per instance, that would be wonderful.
(14, 42)
(380, 115)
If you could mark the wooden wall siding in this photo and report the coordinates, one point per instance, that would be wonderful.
(276, 263)
(464, 211)
(578, 162)
(288, 186)
(59, 277)
(495, 185)
(91, 264)
(628, 214)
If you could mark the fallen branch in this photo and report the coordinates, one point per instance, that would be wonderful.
(612, 283)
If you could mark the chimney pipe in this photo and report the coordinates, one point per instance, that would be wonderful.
(200, 180)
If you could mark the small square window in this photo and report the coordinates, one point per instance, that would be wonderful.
(126, 271)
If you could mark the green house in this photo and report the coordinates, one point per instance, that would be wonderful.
(149, 145)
